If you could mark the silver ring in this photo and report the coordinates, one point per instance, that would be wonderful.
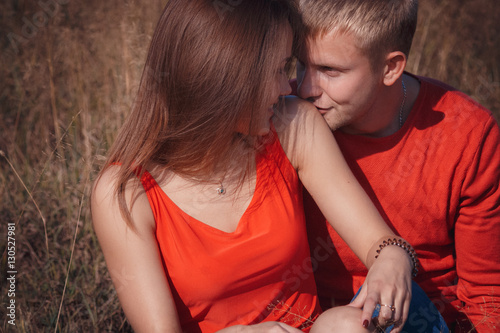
(393, 309)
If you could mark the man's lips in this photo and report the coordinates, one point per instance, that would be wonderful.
(322, 110)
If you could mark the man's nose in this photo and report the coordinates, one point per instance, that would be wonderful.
(307, 87)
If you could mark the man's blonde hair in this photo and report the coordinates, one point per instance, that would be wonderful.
(380, 26)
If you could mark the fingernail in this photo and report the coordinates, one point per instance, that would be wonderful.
(365, 323)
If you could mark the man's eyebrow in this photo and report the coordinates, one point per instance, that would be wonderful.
(327, 63)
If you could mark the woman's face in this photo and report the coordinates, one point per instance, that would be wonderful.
(281, 87)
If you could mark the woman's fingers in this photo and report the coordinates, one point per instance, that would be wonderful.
(384, 315)
(384, 305)
(359, 301)
(402, 312)
(369, 306)
(393, 311)
(389, 287)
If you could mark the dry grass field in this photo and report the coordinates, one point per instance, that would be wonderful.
(68, 72)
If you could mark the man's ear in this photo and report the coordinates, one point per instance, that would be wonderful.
(395, 63)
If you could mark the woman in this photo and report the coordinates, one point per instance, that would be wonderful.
(199, 210)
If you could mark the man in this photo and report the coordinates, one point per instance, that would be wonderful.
(428, 156)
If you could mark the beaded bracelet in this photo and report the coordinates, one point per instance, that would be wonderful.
(405, 246)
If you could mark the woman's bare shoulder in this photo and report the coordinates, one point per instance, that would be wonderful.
(105, 183)
(105, 201)
(294, 119)
(292, 115)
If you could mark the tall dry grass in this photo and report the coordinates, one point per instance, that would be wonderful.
(66, 87)
(458, 42)
(68, 82)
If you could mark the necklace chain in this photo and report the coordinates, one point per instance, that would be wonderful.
(402, 104)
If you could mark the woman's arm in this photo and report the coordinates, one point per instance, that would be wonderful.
(313, 151)
(133, 258)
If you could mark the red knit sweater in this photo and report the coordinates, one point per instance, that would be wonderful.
(436, 183)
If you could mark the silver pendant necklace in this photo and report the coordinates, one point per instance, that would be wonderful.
(402, 105)
(221, 190)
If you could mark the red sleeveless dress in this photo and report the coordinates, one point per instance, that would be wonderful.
(260, 272)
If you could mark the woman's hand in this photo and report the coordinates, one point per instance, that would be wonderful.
(387, 287)
(267, 327)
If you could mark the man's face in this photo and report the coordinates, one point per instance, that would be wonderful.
(338, 78)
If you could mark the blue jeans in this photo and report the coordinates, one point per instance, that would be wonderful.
(423, 316)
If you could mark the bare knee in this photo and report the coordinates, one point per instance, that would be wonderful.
(340, 319)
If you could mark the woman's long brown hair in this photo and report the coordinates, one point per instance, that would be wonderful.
(210, 66)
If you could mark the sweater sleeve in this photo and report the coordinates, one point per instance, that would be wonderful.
(477, 234)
